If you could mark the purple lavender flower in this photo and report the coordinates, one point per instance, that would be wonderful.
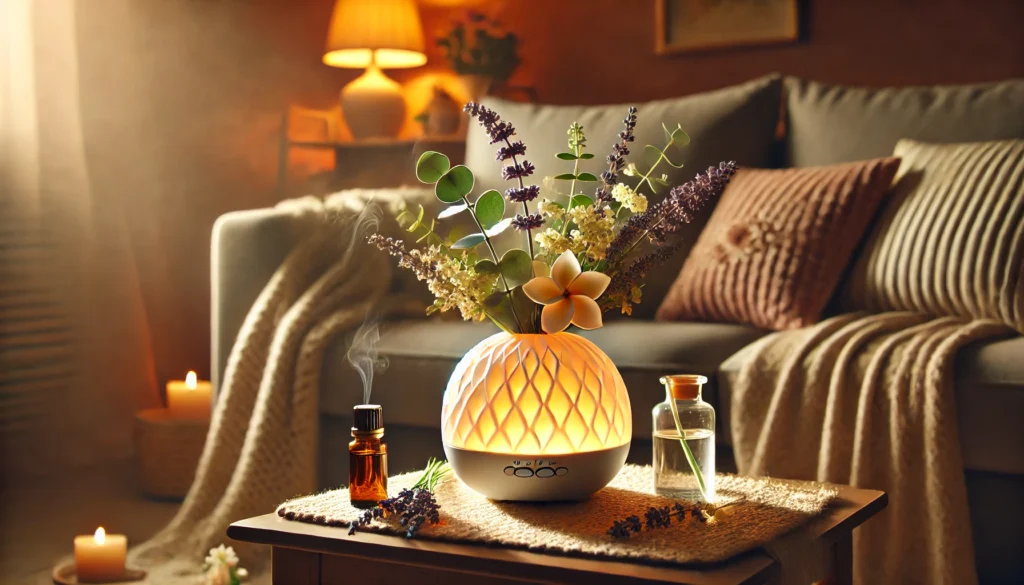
(517, 171)
(625, 280)
(517, 148)
(521, 194)
(668, 216)
(527, 222)
(617, 159)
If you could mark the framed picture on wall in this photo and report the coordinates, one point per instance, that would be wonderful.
(698, 25)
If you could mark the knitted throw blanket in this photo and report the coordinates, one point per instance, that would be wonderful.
(867, 400)
(261, 447)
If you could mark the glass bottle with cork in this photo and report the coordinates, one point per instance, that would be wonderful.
(684, 441)
(367, 457)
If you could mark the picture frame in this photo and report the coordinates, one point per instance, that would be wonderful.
(685, 26)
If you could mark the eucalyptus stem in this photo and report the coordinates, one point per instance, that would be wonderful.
(686, 449)
(494, 255)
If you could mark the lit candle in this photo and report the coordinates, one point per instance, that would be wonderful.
(100, 558)
(189, 398)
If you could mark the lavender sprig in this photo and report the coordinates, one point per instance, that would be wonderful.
(625, 280)
(669, 215)
(527, 222)
(413, 507)
(617, 158)
(655, 518)
(501, 131)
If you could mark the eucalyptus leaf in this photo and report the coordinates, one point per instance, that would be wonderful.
(566, 156)
(658, 181)
(489, 209)
(676, 136)
(517, 267)
(457, 232)
(589, 177)
(453, 210)
(470, 241)
(565, 177)
(586, 156)
(419, 221)
(499, 227)
(431, 166)
(455, 184)
(486, 267)
(579, 200)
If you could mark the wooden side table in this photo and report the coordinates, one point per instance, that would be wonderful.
(308, 554)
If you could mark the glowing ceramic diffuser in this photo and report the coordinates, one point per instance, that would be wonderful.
(536, 417)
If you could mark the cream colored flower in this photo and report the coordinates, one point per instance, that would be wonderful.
(629, 198)
(595, 230)
(567, 294)
(222, 555)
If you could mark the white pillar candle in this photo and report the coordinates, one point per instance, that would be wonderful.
(100, 557)
(189, 398)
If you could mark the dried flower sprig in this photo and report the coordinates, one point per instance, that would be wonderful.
(412, 507)
(655, 518)
(617, 158)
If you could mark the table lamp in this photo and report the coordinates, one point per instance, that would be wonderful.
(375, 35)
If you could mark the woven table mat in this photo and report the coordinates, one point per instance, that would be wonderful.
(767, 509)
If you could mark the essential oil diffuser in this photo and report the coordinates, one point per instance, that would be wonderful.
(536, 417)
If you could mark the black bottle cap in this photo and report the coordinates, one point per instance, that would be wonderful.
(368, 417)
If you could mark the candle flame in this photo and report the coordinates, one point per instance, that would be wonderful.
(100, 536)
(190, 380)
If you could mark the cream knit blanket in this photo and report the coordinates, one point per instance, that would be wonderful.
(867, 400)
(261, 447)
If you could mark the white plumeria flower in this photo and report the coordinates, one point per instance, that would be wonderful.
(567, 294)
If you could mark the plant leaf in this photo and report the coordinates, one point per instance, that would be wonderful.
(453, 210)
(455, 184)
(489, 209)
(586, 156)
(677, 136)
(486, 267)
(419, 221)
(499, 227)
(566, 156)
(586, 177)
(431, 166)
(565, 177)
(470, 241)
(517, 267)
(578, 200)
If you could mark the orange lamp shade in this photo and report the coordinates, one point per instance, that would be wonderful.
(385, 33)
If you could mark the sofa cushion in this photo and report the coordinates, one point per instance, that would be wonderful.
(735, 123)
(422, 355)
(950, 240)
(989, 402)
(828, 124)
(778, 244)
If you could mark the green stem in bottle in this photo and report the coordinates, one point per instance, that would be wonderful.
(686, 449)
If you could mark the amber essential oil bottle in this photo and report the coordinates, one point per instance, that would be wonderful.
(367, 457)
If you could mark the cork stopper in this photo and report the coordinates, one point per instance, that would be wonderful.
(367, 417)
(684, 386)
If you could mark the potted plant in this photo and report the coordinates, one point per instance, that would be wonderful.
(533, 401)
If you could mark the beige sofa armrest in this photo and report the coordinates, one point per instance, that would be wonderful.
(246, 249)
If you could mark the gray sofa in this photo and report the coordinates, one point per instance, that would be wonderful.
(819, 125)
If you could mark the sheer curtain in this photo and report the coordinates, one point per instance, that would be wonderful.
(75, 349)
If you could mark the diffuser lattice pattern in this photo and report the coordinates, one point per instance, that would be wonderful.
(536, 395)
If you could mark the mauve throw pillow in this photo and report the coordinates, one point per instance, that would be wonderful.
(778, 244)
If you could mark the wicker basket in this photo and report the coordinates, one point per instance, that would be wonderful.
(168, 452)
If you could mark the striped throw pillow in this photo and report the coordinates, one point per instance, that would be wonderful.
(950, 241)
(777, 244)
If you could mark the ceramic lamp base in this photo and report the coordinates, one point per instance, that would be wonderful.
(537, 478)
(373, 106)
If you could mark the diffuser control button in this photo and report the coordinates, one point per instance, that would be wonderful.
(523, 472)
(561, 471)
(545, 472)
(510, 470)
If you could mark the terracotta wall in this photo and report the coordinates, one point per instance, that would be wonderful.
(182, 99)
